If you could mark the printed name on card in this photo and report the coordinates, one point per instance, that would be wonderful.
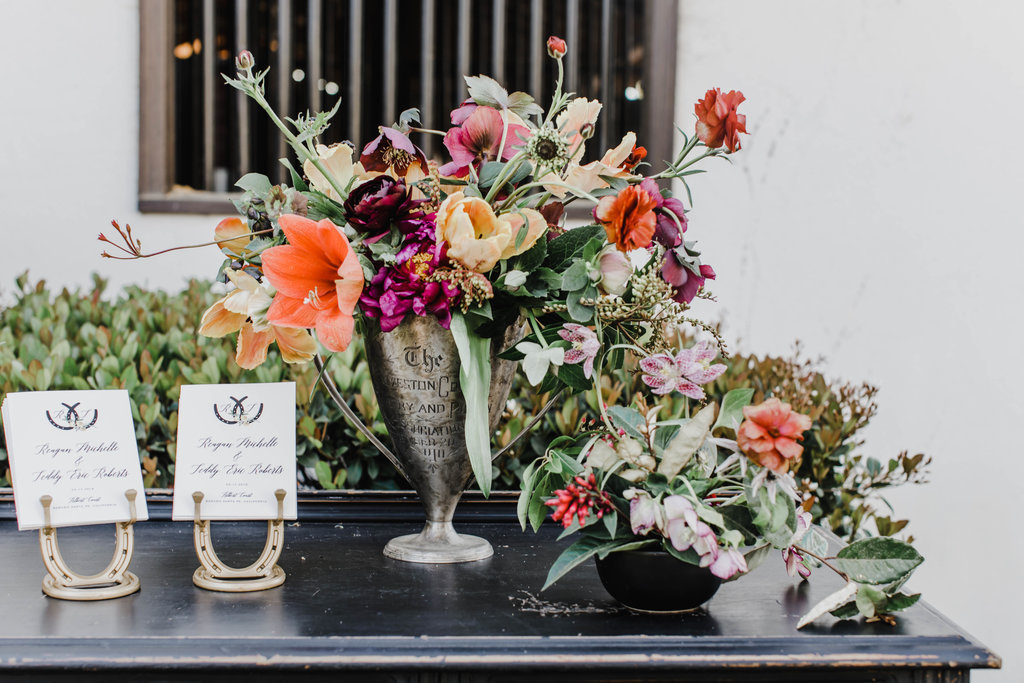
(236, 445)
(77, 447)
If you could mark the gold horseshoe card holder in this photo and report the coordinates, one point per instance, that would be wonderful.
(215, 575)
(114, 581)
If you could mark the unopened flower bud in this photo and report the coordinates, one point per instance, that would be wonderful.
(556, 47)
(587, 131)
(244, 61)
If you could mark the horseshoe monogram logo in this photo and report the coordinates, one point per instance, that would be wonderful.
(68, 418)
(238, 413)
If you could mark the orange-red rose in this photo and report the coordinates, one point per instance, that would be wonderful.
(770, 432)
(717, 121)
(628, 218)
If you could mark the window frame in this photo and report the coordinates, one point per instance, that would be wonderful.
(156, 193)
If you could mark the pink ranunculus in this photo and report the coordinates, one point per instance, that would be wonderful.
(556, 47)
(585, 346)
(616, 270)
(717, 121)
(770, 432)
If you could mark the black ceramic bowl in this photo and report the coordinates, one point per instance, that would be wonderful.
(654, 581)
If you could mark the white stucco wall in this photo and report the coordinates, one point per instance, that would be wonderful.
(871, 215)
(69, 127)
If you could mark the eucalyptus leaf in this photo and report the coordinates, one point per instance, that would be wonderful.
(573, 556)
(257, 183)
(627, 419)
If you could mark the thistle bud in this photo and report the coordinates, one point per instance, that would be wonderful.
(556, 47)
(244, 61)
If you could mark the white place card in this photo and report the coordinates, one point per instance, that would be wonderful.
(236, 445)
(78, 447)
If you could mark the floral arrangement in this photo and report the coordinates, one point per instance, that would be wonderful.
(480, 244)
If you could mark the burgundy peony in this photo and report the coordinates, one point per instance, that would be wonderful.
(372, 207)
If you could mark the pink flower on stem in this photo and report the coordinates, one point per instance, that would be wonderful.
(684, 373)
(585, 346)
(685, 530)
(795, 563)
(728, 563)
(478, 139)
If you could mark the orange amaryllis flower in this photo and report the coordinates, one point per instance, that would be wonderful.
(770, 432)
(628, 218)
(244, 311)
(717, 120)
(318, 280)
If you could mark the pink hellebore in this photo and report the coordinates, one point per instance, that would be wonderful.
(478, 139)
(686, 530)
(690, 368)
(644, 512)
(585, 346)
(728, 563)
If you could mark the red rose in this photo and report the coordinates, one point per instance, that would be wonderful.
(717, 120)
(556, 47)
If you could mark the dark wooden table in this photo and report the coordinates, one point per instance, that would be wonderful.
(348, 613)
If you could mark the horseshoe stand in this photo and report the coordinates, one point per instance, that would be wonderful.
(113, 582)
(214, 575)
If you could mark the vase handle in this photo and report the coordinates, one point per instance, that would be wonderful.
(526, 430)
(332, 389)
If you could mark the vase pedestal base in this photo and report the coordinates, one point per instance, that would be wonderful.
(438, 543)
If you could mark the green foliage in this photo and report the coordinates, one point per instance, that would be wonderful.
(146, 343)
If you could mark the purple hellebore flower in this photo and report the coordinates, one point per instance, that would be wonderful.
(690, 368)
(392, 149)
(681, 275)
(667, 232)
(585, 346)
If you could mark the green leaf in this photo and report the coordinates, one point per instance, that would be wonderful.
(526, 488)
(573, 556)
(755, 556)
(847, 611)
(257, 183)
(627, 419)
(570, 244)
(475, 382)
(870, 601)
(731, 414)
(323, 475)
(486, 91)
(901, 601)
(878, 560)
(575, 277)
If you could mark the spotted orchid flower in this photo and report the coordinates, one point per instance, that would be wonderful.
(585, 346)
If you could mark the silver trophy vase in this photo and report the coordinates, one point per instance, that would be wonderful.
(415, 374)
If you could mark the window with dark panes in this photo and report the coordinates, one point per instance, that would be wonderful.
(380, 57)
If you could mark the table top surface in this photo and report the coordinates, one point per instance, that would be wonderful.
(345, 604)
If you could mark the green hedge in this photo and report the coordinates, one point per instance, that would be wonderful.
(146, 342)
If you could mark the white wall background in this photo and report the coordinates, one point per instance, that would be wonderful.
(872, 214)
